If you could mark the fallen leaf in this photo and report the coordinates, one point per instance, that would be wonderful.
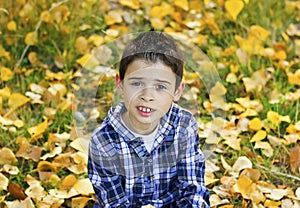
(255, 124)
(242, 163)
(294, 78)
(265, 147)
(258, 136)
(31, 38)
(251, 173)
(234, 7)
(84, 187)
(16, 191)
(277, 194)
(113, 17)
(183, 4)
(79, 202)
(133, 4)
(68, 182)
(295, 159)
(6, 74)
(12, 25)
(39, 129)
(3, 182)
(10, 169)
(16, 100)
(7, 156)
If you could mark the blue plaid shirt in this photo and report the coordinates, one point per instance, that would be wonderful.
(124, 174)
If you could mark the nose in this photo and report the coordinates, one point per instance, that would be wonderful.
(146, 95)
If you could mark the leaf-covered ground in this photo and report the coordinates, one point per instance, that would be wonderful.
(57, 67)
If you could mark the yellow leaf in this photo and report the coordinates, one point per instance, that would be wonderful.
(31, 38)
(4, 53)
(33, 57)
(157, 23)
(275, 119)
(260, 135)
(46, 17)
(81, 45)
(183, 4)
(6, 74)
(245, 186)
(266, 148)
(5, 92)
(242, 163)
(16, 100)
(38, 129)
(88, 61)
(255, 124)
(133, 4)
(3, 182)
(84, 187)
(7, 156)
(259, 32)
(294, 78)
(218, 89)
(113, 17)
(280, 55)
(160, 11)
(97, 40)
(234, 7)
(12, 26)
(19, 123)
(79, 202)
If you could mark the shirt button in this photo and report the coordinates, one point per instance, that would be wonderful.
(150, 160)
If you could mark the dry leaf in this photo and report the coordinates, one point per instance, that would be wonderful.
(161, 11)
(295, 159)
(39, 129)
(68, 182)
(266, 148)
(79, 202)
(255, 124)
(6, 74)
(10, 169)
(258, 136)
(16, 100)
(183, 4)
(234, 7)
(81, 45)
(3, 182)
(241, 163)
(113, 17)
(294, 78)
(84, 187)
(12, 25)
(31, 38)
(251, 173)
(133, 4)
(16, 191)
(28, 151)
(7, 156)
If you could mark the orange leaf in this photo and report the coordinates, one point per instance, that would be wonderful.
(234, 7)
(16, 191)
(295, 159)
(79, 202)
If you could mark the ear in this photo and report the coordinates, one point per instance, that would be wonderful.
(178, 91)
(119, 84)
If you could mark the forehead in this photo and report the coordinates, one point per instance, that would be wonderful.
(148, 70)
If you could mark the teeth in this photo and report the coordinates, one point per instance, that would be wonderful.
(146, 110)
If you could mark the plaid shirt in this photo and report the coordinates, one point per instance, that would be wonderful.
(124, 174)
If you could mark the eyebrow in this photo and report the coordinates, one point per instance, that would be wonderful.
(157, 80)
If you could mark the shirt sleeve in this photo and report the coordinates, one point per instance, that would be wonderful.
(106, 182)
(191, 170)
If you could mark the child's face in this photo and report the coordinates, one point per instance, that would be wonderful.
(148, 90)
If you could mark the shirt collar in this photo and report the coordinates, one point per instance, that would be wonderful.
(165, 125)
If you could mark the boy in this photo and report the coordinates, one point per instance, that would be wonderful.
(146, 151)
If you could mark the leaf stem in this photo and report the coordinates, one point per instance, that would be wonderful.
(278, 173)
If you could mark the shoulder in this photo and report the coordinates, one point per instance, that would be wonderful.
(181, 116)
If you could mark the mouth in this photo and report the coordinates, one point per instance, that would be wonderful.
(145, 111)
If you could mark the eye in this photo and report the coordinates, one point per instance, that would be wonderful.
(160, 87)
(137, 84)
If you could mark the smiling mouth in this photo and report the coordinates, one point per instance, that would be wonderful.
(144, 109)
